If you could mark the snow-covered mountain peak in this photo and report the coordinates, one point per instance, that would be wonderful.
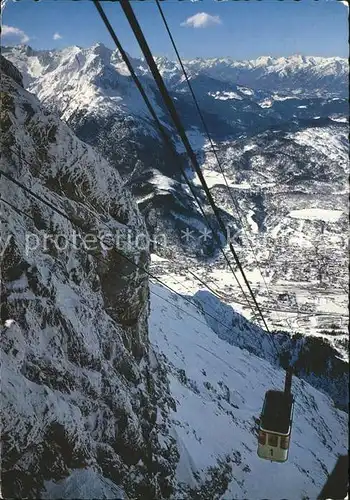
(22, 49)
(165, 64)
(74, 78)
(263, 61)
(99, 53)
(100, 48)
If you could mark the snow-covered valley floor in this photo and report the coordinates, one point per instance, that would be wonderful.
(296, 259)
(316, 312)
(219, 389)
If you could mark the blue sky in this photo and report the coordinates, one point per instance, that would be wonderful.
(205, 28)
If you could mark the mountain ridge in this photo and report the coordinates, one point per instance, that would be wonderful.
(77, 391)
(327, 71)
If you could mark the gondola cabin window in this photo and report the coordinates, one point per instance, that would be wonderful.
(273, 440)
(275, 426)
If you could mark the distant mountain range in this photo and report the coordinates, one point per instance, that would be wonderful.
(314, 76)
(299, 75)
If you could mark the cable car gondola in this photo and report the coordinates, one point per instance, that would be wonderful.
(276, 424)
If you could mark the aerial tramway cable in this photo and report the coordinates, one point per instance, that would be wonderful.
(206, 129)
(285, 408)
(129, 13)
(167, 142)
(173, 113)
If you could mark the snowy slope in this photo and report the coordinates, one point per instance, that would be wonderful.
(219, 389)
(83, 484)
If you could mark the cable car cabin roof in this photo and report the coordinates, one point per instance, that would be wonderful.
(276, 412)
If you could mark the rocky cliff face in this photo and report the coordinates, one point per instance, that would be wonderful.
(81, 385)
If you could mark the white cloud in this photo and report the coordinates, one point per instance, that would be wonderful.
(11, 31)
(56, 36)
(201, 20)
